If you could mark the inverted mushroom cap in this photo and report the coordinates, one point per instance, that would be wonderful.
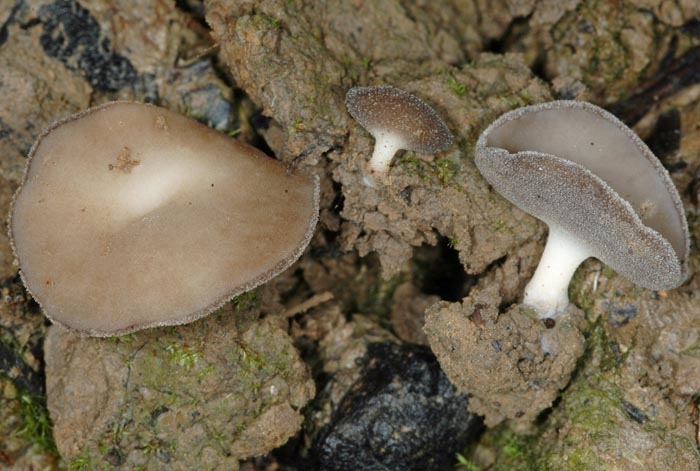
(132, 216)
(578, 168)
(385, 110)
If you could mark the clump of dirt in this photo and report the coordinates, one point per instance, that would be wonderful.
(444, 195)
(604, 424)
(598, 50)
(408, 313)
(269, 51)
(671, 12)
(200, 397)
(511, 363)
(598, 424)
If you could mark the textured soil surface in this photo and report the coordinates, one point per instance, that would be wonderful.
(426, 270)
(242, 386)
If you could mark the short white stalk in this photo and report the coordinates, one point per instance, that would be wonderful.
(547, 291)
(385, 147)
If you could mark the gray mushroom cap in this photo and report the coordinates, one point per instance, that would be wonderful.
(388, 110)
(131, 216)
(577, 167)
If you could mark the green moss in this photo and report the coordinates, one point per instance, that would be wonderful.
(452, 241)
(608, 272)
(693, 350)
(246, 301)
(459, 89)
(413, 165)
(464, 464)
(377, 300)
(249, 360)
(182, 356)
(513, 452)
(83, 461)
(442, 171)
(579, 296)
(498, 225)
(445, 170)
(298, 125)
(36, 425)
(265, 22)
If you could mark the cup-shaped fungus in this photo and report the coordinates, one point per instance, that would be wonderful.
(397, 120)
(131, 216)
(597, 186)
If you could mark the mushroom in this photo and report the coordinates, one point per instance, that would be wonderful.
(397, 120)
(131, 216)
(597, 186)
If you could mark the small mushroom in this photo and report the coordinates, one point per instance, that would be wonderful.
(131, 216)
(397, 120)
(597, 186)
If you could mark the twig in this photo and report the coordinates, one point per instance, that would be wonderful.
(310, 303)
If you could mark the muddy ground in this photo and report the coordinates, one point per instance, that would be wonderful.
(433, 260)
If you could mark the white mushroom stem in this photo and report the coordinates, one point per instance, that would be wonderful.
(385, 147)
(547, 291)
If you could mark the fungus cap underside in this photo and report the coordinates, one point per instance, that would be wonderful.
(574, 165)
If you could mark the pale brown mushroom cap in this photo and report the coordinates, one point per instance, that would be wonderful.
(575, 166)
(385, 110)
(132, 216)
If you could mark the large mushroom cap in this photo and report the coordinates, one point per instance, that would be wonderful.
(131, 216)
(577, 167)
(384, 110)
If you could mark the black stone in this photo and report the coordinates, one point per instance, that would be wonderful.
(72, 35)
(402, 414)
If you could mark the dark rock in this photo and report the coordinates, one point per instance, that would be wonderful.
(402, 414)
(72, 35)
